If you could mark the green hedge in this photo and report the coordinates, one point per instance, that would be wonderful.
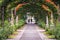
(55, 31)
(8, 30)
(20, 23)
(41, 23)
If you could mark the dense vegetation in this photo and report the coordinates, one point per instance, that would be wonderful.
(11, 20)
(8, 29)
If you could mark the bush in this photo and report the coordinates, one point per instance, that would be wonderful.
(8, 30)
(20, 23)
(41, 24)
(50, 31)
(55, 31)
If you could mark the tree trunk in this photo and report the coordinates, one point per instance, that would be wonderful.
(2, 16)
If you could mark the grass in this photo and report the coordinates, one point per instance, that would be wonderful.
(13, 35)
(49, 36)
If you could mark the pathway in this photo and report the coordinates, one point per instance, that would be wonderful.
(30, 33)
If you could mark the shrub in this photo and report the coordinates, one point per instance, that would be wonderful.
(8, 30)
(55, 31)
(50, 31)
(41, 24)
(20, 23)
(5, 32)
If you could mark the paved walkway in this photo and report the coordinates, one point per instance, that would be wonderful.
(30, 33)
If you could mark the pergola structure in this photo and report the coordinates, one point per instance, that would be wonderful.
(43, 5)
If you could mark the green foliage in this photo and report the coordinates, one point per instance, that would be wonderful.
(41, 24)
(4, 32)
(51, 36)
(1, 2)
(50, 32)
(51, 7)
(8, 29)
(55, 31)
(56, 15)
(20, 23)
(56, 1)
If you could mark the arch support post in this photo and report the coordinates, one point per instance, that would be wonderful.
(16, 20)
(58, 10)
(12, 18)
(51, 21)
(16, 17)
(47, 22)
